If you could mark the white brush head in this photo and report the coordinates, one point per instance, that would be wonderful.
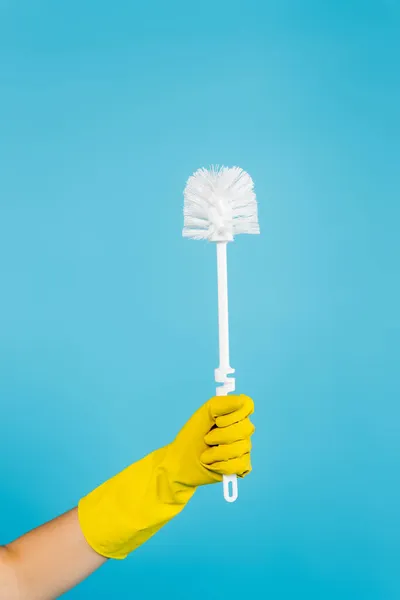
(218, 204)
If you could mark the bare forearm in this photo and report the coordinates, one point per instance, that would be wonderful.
(47, 562)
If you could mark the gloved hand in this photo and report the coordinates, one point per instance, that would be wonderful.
(128, 509)
(214, 442)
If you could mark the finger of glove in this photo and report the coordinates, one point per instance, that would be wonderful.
(241, 413)
(237, 466)
(226, 452)
(228, 435)
(225, 405)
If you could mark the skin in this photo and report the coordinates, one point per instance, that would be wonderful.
(47, 561)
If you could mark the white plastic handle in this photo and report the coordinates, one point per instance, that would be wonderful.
(230, 483)
(231, 491)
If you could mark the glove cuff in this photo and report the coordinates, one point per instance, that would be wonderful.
(125, 511)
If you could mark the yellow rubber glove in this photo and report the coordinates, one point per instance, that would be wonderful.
(127, 510)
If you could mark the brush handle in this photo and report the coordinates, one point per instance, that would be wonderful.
(230, 485)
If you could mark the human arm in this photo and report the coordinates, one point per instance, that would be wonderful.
(47, 561)
(125, 511)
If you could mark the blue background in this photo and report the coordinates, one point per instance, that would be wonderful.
(108, 317)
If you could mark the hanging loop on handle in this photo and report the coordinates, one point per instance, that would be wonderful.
(231, 491)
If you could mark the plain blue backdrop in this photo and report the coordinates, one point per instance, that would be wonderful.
(108, 317)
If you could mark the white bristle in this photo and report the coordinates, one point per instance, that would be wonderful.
(219, 203)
